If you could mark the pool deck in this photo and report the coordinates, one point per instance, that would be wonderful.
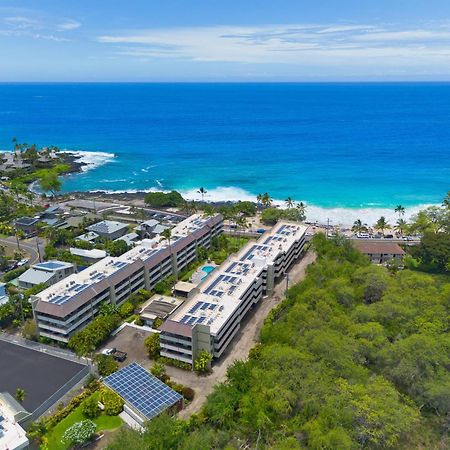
(199, 275)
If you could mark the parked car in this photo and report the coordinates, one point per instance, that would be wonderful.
(22, 262)
(260, 230)
(116, 354)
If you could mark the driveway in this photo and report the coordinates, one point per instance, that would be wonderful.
(241, 344)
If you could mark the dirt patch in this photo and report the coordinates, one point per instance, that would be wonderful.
(130, 340)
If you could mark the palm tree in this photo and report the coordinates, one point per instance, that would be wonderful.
(14, 141)
(242, 222)
(301, 209)
(401, 226)
(20, 394)
(266, 200)
(400, 210)
(289, 203)
(167, 234)
(382, 224)
(446, 201)
(358, 226)
(202, 191)
(259, 198)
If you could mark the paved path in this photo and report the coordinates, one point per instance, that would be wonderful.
(239, 348)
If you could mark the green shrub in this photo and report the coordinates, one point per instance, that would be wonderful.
(113, 403)
(126, 309)
(106, 365)
(202, 363)
(175, 363)
(163, 199)
(152, 343)
(90, 407)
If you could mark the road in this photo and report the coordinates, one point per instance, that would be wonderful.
(28, 246)
(241, 344)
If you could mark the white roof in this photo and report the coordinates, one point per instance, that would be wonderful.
(88, 237)
(35, 276)
(220, 293)
(12, 435)
(94, 253)
(106, 267)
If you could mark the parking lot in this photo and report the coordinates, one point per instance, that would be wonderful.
(130, 340)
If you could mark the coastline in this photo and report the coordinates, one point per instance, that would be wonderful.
(338, 216)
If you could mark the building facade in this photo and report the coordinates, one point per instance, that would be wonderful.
(213, 316)
(68, 306)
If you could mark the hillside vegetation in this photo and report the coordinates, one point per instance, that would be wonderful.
(355, 357)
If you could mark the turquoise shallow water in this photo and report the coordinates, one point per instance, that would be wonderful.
(331, 145)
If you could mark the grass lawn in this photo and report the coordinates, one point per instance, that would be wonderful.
(103, 422)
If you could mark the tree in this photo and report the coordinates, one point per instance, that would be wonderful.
(164, 199)
(301, 209)
(30, 330)
(113, 403)
(266, 200)
(359, 226)
(159, 371)
(202, 363)
(203, 192)
(106, 365)
(270, 216)
(400, 210)
(382, 224)
(401, 226)
(50, 182)
(90, 407)
(289, 203)
(79, 433)
(20, 394)
(152, 344)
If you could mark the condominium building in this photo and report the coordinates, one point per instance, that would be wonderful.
(213, 316)
(68, 306)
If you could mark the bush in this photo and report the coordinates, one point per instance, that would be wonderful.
(162, 199)
(8, 276)
(126, 309)
(152, 343)
(79, 433)
(90, 407)
(175, 363)
(29, 330)
(139, 322)
(188, 393)
(159, 371)
(88, 339)
(202, 363)
(106, 365)
(113, 403)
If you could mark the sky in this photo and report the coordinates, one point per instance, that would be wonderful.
(227, 40)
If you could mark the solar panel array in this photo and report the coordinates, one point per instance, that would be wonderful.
(142, 390)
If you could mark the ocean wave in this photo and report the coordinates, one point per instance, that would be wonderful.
(338, 216)
(92, 160)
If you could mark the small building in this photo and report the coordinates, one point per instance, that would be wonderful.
(52, 216)
(90, 236)
(109, 229)
(3, 294)
(380, 252)
(12, 435)
(184, 289)
(145, 396)
(49, 272)
(159, 306)
(27, 224)
(89, 256)
(130, 239)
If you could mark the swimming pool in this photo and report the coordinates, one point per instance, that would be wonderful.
(207, 270)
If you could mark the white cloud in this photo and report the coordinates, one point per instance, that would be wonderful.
(69, 25)
(321, 45)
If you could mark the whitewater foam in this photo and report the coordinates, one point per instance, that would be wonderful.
(337, 216)
(91, 160)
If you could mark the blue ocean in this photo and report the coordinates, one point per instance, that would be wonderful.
(357, 147)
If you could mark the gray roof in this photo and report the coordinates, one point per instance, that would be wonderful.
(107, 227)
(35, 276)
(159, 229)
(129, 238)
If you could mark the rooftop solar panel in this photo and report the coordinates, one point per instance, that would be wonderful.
(141, 390)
